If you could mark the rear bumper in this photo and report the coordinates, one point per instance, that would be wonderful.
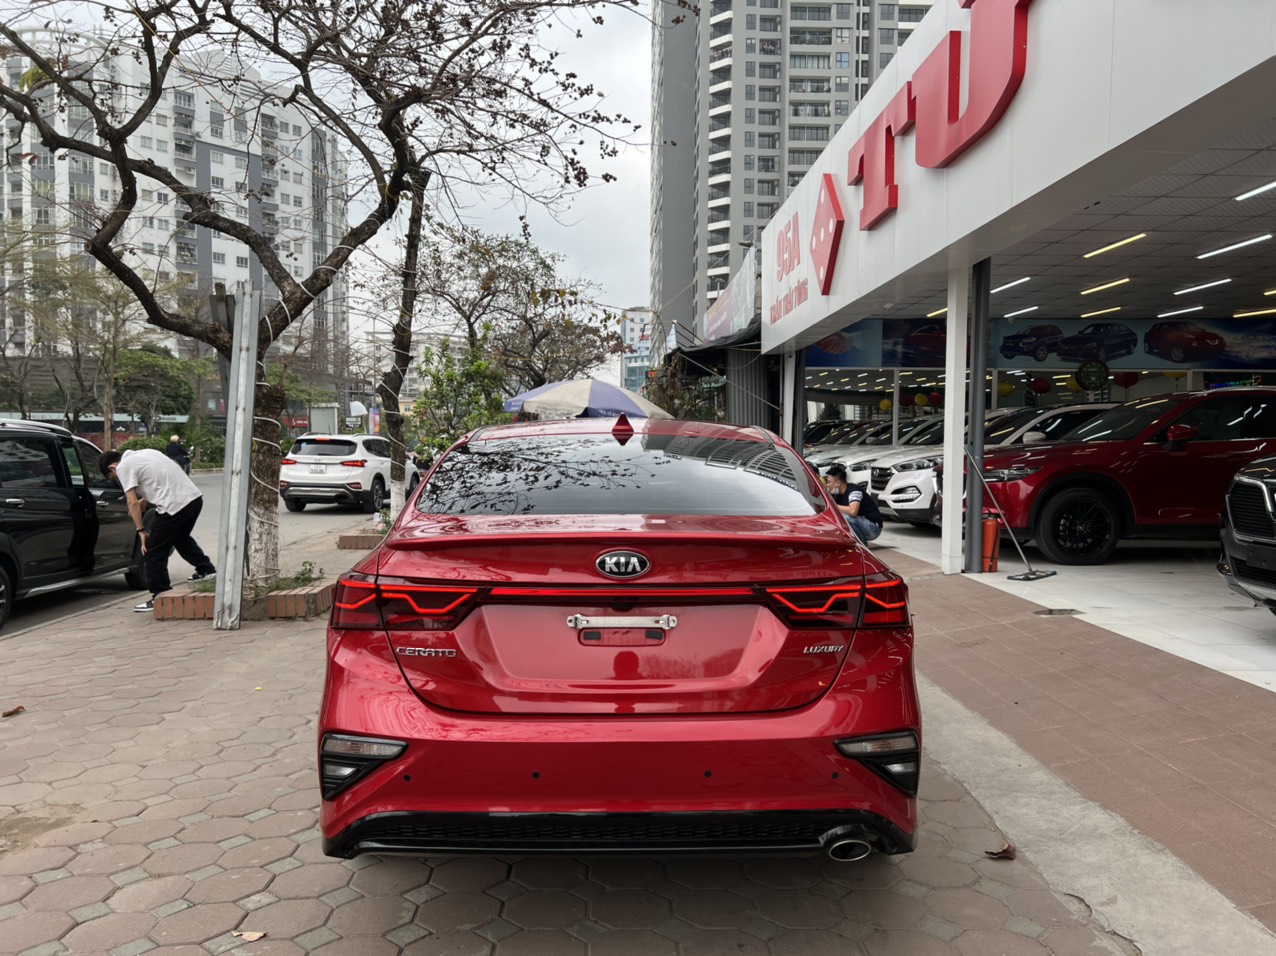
(1249, 568)
(324, 494)
(510, 783)
(781, 832)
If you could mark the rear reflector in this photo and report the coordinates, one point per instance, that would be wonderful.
(895, 757)
(344, 759)
(398, 605)
(288, 461)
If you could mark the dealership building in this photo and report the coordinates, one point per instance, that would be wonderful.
(1105, 169)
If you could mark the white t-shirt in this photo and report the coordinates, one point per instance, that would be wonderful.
(158, 479)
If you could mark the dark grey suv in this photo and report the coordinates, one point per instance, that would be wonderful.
(62, 524)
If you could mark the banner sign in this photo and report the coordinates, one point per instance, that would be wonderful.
(734, 308)
(1136, 344)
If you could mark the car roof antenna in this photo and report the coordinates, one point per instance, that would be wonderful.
(1031, 574)
(622, 431)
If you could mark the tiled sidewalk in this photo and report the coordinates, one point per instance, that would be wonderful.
(1185, 754)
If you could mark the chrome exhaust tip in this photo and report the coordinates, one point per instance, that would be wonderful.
(847, 846)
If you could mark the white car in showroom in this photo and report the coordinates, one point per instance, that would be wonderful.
(904, 482)
(339, 470)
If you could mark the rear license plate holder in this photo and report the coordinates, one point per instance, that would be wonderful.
(318, 469)
(620, 631)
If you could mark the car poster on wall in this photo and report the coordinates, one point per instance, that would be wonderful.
(1215, 344)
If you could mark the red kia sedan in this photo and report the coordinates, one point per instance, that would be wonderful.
(589, 636)
(1155, 467)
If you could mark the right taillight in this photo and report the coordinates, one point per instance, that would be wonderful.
(885, 601)
(362, 602)
(879, 600)
(288, 461)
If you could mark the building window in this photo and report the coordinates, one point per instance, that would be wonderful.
(748, 233)
(750, 44)
(296, 129)
(904, 35)
(219, 182)
(748, 210)
(843, 60)
(161, 145)
(748, 186)
(768, 141)
(751, 21)
(886, 36)
(184, 99)
(147, 142)
(241, 162)
(842, 107)
(748, 160)
(767, 164)
(842, 11)
(216, 158)
(842, 36)
(767, 209)
(769, 47)
(241, 261)
(748, 137)
(750, 68)
(911, 14)
(219, 258)
(296, 200)
(750, 91)
(810, 61)
(884, 60)
(216, 132)
(162, 196)
(770, 71)
(842, 84)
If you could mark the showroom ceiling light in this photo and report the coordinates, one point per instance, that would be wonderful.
(1031, 308)
(1246, 315)
(1255, 192)
(1115, 245)
(1205, 285)
(936, 313)
(1106, 285)
(1009, 285)
(1234, 246)
(1115, 308)
(1166, 315)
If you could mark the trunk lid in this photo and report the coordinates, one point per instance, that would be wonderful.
(531, 625)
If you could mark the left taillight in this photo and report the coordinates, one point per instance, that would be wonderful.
(396, 604)
(288, 461)
(355, 462)
(885, 601)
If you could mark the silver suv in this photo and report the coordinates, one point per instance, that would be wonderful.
(341, 470)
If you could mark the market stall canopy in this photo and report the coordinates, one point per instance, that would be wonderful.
(583, 397)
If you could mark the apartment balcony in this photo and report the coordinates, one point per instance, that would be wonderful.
(720, 82)
(721, 53)
(811, 37)
(719, 192)
(720, 32)
(718, 125)
(721, 150)
(722, 248)
(719, 202)
(717, 217)
(719, 12)
(719, 173)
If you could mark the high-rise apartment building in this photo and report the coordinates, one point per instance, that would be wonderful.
(635, 328)
(744, 99)
(264, 164)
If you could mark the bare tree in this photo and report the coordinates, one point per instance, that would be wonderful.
(465, 85)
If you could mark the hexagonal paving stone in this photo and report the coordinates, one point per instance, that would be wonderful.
(359, 946)
(783, 874)
(457, 911)
(108, 860)
(626, 873)
(807, 942)
(311, 880)
(104, 934)
(197, 924)
(183, 858)
(938, 871)
(230, 886)
(258, 853)
(981, 942)
(67, 894)
(34, 859)
(469, 873)
(391, 877)
(541, 942)
(883, 909)
(905, 942)
(545, 909)
(371, 915)
(144, 832)
(288, 918)
(706, 874)
(717, 909)
(450, 944)
(147, 895)
(629, 909)
(968, 909)
(548, 873)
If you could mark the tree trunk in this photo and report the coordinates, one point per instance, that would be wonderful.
(263, 497)
(108, 413)
(392, 379)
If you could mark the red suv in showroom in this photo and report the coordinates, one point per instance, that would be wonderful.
(1153, 467)
(590, 636)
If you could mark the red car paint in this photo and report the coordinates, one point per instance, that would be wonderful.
(782, 636)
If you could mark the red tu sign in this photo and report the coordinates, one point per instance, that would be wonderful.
(929, 107)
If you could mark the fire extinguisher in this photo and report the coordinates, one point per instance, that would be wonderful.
(992, 542)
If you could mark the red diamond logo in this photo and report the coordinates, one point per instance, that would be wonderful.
(826, 233)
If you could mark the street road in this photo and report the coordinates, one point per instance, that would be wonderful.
(292, 527)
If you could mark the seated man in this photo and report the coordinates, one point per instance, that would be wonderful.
(856, 503)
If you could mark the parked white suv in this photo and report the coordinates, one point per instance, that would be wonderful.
(341, 470)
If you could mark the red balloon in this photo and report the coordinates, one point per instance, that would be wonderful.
(1040, 385)
(905, 399)
(1125, 379)
(937, 399)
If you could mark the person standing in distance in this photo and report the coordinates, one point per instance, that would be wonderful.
(855, 503)
(151, 476)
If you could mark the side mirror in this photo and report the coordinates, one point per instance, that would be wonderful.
(1030, 437)
(1175, 435)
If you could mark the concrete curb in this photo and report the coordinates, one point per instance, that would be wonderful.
(1137, 889)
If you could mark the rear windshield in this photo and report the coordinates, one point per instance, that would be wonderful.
(1125, 421)
(592, 474)
(330, 449)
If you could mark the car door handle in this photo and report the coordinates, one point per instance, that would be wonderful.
(15, 502)
(102, 504)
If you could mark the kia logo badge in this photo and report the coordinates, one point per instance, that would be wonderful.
(622, 564)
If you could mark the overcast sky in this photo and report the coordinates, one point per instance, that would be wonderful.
(604, 234)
